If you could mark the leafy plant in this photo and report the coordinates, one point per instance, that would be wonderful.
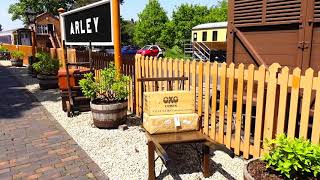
(46, 64)
(3, 49)
(293, 158)
(110, 87)
(17, 54)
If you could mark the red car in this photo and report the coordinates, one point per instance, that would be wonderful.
(151, 50)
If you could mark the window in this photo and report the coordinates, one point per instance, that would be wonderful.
(42, 29)
(204, 36)
(214, 35)
(195, 37)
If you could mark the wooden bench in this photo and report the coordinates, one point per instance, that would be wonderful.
(157, 142)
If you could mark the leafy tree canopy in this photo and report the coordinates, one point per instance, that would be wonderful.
(151, 22)
(127, 31)
(18, 9)
(186, 16)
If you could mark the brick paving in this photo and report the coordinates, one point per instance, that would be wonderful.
(33, 145)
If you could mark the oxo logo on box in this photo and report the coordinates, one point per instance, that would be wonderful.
(170, 100)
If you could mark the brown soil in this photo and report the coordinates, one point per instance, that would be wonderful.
(257, 169)
(105, 102)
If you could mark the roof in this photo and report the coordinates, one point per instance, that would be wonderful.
(48, 14)
(211, 25)
(12, 30)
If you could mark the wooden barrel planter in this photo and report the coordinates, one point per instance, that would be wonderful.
(246, 175)
(47, 81)
(16, 62)
(108, 116)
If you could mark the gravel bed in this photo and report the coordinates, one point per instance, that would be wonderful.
(123, 154)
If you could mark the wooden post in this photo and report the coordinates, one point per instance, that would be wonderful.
(61, 10)
(116, 34)
(151, 163)
(34, 42)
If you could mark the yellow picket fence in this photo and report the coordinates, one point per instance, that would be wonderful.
(241, 106)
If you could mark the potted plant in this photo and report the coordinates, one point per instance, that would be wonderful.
(286, 158)
(17, 58)
(4, 53)
(47, 70)
(108, 97)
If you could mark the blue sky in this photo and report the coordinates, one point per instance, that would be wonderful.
(129, 10)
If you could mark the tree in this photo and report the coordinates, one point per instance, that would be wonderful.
(218, 13)
(127, 31)
(0, 27)
(151, 22)
(80, 3)
(183, 20)
(18, 9)
(186, 16)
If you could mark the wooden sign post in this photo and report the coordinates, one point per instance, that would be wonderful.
(116, 35)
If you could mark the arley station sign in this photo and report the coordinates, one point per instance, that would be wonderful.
(92, 23)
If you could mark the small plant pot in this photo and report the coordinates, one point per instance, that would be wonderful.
(108, 116)
(256, 169)
(17, 62)
(47, 81)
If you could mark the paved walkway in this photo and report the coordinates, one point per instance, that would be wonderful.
(32, 144)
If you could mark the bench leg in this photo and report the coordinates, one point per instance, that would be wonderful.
(205, 161)
(151, 163)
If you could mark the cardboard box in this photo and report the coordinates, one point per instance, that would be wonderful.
(170, 123)
(169, 102)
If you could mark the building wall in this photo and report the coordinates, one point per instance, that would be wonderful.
(48, 19)
(222, 34)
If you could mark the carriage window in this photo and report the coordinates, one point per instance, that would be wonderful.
(42, 29)
(214, 35)
(195, 37)
(204, 36)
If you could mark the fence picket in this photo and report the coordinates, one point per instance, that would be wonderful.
(150, 73)
(193, 83)
(283, 82)
(315, 136)
(223, 78)
(187, 74)
(248, 117)
(239, 108)
(271, 101)
(181, 73)
(214, 77)
(200, 89)
(295, 83)
(165, 72)
(176, 74)
(261, 76)
(155, 73)
(137, 84)
(231, 75)
(160, 62)
(206, 98)
(170, 72)
(306, 101)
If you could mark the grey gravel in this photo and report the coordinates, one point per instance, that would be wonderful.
(123, 154)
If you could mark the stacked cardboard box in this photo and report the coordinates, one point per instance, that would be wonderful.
(169, 111)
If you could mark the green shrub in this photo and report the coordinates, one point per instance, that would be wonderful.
(46, 64)
(110, 87)
(3, 49)
(293, 158)
(175, 52)
(17, 54)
